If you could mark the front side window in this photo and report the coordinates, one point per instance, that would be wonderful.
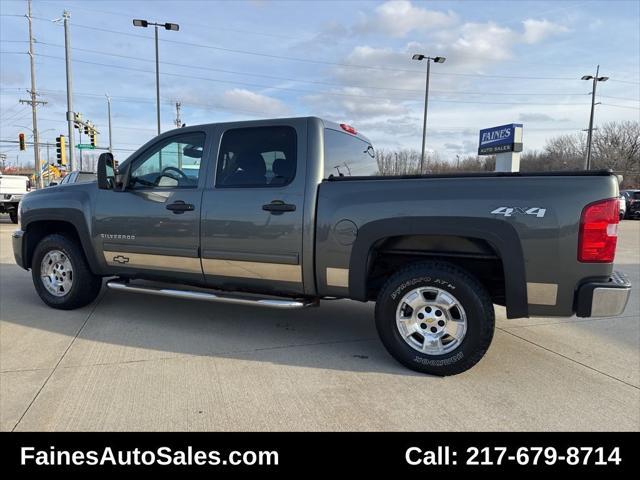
(175, 163)
(257, 157)
(347, 156)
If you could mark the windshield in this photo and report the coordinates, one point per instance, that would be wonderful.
(85, 177)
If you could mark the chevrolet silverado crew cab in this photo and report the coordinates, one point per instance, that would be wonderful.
(284, 213)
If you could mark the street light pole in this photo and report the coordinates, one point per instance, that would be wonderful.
(595, 79)
(157, 79)
(167, 26)
(420, 57)
(109, 116)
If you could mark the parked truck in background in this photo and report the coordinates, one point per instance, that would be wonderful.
(285, 213)
(12, 189)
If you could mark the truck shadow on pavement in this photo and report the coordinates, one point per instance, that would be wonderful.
(128, 327)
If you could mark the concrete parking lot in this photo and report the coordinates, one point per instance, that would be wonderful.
(134, 362)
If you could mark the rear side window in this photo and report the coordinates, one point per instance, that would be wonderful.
(347, 155)
(257, 157)
(635, 195)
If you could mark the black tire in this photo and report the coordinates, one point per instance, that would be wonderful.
(13, 216)
(473, 298)
(85, 286)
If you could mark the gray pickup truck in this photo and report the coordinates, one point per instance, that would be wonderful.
(284, 213)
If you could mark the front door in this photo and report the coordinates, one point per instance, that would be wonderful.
(252, 210)
(152, 229)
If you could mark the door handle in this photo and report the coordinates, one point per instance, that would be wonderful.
(180, 207)
(278, 207)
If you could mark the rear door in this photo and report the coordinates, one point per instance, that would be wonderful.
(252, 209)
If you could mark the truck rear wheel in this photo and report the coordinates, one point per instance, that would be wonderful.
(61, 274)
(435, 318)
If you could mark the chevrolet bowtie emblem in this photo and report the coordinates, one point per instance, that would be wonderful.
(121, 259)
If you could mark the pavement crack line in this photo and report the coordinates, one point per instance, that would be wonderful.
(570, 359)
(93, 309)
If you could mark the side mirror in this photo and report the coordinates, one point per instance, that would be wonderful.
(53, 184)
(106, 173)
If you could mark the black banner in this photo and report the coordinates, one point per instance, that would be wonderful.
(280, 453)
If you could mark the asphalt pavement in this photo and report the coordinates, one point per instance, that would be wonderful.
(135, 362)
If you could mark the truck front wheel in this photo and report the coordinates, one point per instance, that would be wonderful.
(13, 216)
(435, 318)
(61, 274)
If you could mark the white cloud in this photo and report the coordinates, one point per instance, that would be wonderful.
(400, 17)
(241, 99)
(482, 42)
(537, 30)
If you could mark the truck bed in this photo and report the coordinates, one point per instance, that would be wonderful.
(564, 173)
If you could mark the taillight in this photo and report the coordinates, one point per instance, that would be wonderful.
(598, 231)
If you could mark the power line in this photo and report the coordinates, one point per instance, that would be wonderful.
(319, 62)
(620, 106)
(315, 82)
(312, 92)
(620, 98)
(324, 62)
(217, 27)
(630, 82)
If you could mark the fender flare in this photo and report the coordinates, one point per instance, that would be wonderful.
(502, 236)
(73, 217)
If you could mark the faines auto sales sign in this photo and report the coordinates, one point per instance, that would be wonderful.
(505, 138)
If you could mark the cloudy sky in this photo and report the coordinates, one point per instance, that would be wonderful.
(350, 61)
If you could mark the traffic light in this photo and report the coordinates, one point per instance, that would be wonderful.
(61, 150)
(86, 129)
(21, 141)
(93, 137)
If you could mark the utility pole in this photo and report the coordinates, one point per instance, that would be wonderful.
(109, 115)
(178, 120)
(595, 79)
(34, 102)
(70, 114)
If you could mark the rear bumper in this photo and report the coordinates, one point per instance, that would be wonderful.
(603, 299)
(17, 240)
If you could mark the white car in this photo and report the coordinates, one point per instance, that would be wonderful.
(12, 189)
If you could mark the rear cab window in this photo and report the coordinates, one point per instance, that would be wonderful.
(257, 157)
(347, 155)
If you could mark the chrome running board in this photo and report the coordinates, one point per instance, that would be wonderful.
(211, 297)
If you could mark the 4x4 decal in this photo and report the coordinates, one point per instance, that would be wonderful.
(511, 211)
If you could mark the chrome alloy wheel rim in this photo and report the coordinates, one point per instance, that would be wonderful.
(56, 273)
(431, 320)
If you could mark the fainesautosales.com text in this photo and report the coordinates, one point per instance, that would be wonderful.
(134, 457)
